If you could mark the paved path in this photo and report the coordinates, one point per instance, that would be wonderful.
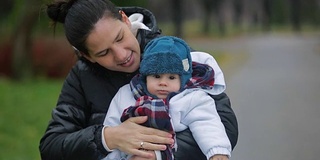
(274, 85)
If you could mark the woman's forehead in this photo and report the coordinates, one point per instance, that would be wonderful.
(104, 33)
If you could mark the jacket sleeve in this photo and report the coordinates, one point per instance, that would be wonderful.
(188, 148)
(228, 117)
(68, 136)
(200, 114)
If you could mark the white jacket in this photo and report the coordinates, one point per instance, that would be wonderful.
(192, 108)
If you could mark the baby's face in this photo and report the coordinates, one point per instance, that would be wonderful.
(163, 84)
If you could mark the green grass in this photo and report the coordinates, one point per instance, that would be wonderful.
(24, 114)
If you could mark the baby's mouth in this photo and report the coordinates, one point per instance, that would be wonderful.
(162, 92)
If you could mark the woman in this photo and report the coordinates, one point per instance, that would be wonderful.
(109, 56)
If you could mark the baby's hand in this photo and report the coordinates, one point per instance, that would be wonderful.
(219, 157)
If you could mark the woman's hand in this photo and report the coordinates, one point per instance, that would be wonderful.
(142, 158)
(129, 135)
(219, 157)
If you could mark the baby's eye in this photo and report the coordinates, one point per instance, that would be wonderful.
(156, 76)
(172, 77)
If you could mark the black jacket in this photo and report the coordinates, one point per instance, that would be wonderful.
(74, 132)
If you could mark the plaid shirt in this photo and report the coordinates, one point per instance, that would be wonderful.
(157, 110)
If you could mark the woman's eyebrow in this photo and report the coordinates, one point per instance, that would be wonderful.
(117, 37)
(100, 52)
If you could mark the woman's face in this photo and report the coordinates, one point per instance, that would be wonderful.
(112, 45)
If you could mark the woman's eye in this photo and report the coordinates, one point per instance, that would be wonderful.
(156, 76)
(120, 39)
(103, 53)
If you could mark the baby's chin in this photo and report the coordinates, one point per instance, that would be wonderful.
(162, 96)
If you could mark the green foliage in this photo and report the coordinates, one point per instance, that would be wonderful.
(11, 19)
(279, 12)
(25, 112)
(310, 12)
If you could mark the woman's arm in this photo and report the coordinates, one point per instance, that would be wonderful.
(68, 135)
(227, 116)
(65, 140)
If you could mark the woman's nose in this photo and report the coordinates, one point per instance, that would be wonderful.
(119, 54)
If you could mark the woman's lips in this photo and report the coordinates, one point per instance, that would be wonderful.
(128, 61)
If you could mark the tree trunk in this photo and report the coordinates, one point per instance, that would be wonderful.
(237, 7)
(5, 8)
(178, 17)
(295, 14)
(210, 6)
(22, 41)
(267, 5)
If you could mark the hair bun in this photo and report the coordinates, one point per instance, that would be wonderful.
(58, 11)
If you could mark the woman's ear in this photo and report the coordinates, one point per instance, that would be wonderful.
(81, 54)
(125, 18)
(88, 58)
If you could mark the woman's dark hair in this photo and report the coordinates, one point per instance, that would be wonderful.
(79, 18)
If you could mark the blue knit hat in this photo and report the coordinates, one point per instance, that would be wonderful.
(167, 54)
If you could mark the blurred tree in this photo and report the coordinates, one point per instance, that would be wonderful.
(5, 8)
(178, 17)
(208, 7)
(266, 6)
(310, 12)
(21, 37)
(238, 11)
(295, 14)
(280, 12)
